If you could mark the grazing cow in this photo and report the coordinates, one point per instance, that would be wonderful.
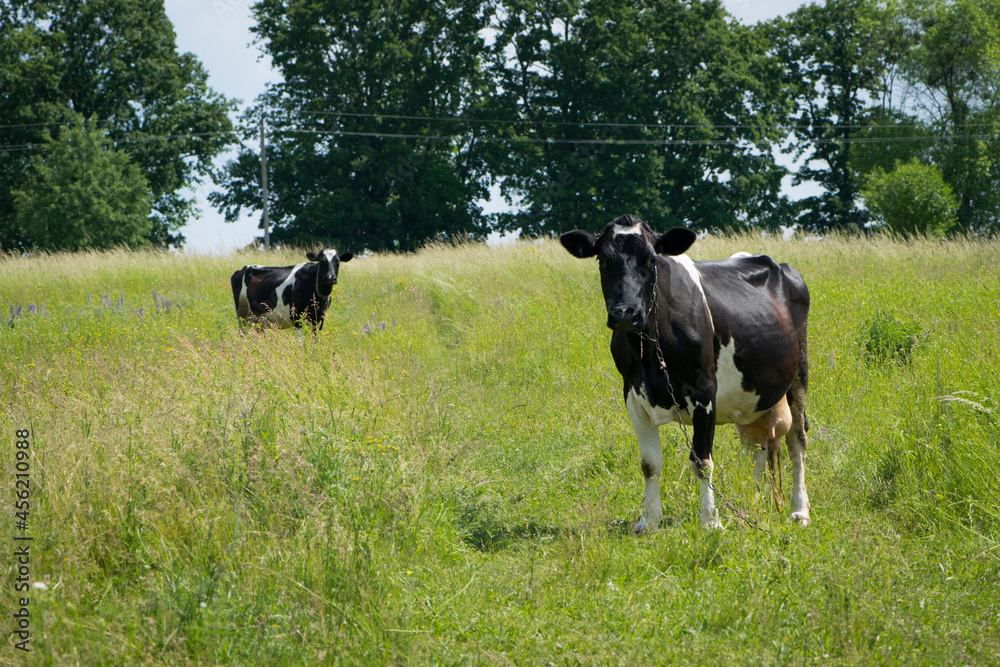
(282, 295)
(703, 343)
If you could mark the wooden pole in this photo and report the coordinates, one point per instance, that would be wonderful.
(263, 182)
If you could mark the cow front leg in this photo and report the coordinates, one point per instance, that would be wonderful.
(650, 461)
(703, 422)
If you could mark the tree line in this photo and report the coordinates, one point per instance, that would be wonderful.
(394, 119)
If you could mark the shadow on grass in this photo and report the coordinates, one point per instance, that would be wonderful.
(491, 537)
(485, 524)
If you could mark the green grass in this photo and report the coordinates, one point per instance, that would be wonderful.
(457, 486)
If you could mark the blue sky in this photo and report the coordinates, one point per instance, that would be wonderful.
(218, 32)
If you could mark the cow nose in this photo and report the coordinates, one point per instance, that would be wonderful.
(625, 318)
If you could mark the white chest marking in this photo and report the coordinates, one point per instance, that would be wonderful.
(660, 416)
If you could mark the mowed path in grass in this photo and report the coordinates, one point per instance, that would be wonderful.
(446, 473)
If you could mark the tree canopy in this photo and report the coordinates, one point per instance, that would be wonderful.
(911, 199)
(667, 108)
(115, 61)
(83, 194)
(357, 150)
(395, 121)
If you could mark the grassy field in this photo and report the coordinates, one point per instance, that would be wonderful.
(446, 474)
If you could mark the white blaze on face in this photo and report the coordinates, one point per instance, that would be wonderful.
(634, 229)
(331, 254)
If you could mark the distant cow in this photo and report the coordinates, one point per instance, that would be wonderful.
(705, 343)
(282, 295)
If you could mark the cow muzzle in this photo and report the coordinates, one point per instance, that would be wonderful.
(626, 319)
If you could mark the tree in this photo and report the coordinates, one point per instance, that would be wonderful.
(911, 199)
(84, 194)
(116, 61)
(664, 109)
(954, 74)
(842, 59)
(365, 146)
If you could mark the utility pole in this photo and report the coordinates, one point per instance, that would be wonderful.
(263, 183)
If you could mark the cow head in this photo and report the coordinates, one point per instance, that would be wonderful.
(627, 252)
(328, 266)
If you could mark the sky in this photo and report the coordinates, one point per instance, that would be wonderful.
(218, 33)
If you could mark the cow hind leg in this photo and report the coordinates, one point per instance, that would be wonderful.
(796, 443)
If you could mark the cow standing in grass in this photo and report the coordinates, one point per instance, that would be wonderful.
(703, 343)
(284, 295)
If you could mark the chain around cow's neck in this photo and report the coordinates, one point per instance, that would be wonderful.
(652, 315)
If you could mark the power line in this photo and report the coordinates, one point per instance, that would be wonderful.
(629, 142)
(664, 141)
(553, 123)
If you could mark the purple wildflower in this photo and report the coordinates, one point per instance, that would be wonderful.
(31, 308)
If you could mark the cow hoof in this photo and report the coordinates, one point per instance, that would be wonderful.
(646, 526)
(710, 519)
(801, 518)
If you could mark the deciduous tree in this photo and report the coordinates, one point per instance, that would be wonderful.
(116, 61)
(664, 109)
(954, 73)
(911, 199)
(366, 142)
(841, 62)
(82, 194)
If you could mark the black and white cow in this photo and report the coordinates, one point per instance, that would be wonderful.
(704, 343)
(281, 295)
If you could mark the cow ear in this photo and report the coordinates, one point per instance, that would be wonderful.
(346, 257)
(675, 241)
(579, 243)
(312, 257)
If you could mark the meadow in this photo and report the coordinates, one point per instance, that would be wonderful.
(446, 473)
